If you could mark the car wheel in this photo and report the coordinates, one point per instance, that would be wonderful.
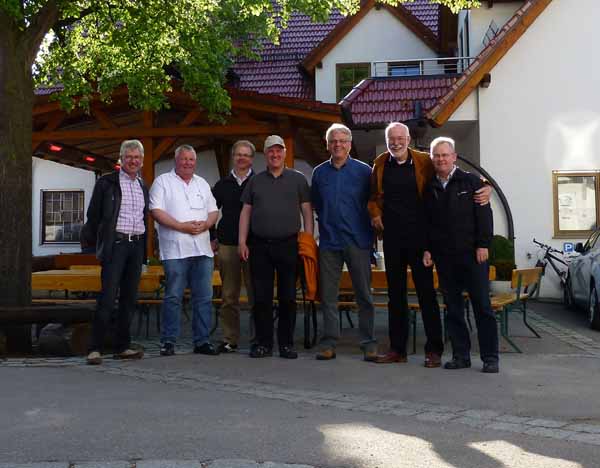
(594, 306)
(568, 294)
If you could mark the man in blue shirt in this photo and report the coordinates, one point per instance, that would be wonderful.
(340, 193)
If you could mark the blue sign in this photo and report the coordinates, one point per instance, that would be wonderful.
(568, 247)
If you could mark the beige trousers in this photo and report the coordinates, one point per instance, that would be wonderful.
(232, 271)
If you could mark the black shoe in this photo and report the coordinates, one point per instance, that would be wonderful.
(206, 348)
(258, 351)
(287, 352)
(225, 347)
(457, 363)
(167, 349)
(490, 367)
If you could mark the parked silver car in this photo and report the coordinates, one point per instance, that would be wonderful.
(583, 280)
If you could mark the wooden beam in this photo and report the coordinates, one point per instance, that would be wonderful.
(322, 116)
(133, 132)
(52, 124)
(289, 151)
(222, 152)
(148, 174)
(103, 118)
(45, 106)
(165, 144)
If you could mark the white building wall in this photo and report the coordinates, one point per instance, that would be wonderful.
(48, 175)
(379, 36)
(467, 111)
(480, 19)
(542, 113)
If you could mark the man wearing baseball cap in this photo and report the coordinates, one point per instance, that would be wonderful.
(269, 225)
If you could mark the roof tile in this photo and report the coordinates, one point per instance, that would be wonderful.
(278, 71)
(378, 101)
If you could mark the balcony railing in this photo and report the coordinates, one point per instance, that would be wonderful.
(420, 67)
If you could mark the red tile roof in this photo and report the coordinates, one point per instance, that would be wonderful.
(375, 102)
(427, 13)
(46, 90)
(279, 72)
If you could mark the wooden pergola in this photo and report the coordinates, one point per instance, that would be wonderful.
(91, 140)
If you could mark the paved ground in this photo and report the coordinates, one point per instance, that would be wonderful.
(232, 411)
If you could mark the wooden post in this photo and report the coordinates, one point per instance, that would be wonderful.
(289, 151)
(148, 175)
(222, 153)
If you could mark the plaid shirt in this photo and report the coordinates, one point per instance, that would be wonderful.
(131, 213)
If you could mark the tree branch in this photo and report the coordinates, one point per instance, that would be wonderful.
(38, 27)
(68, 21)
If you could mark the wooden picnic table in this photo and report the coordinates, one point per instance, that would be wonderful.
(88, 279)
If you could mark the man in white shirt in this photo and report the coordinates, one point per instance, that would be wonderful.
(184, 207)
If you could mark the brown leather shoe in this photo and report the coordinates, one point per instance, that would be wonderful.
(371, 355)
(433, 360)
(390, 357)
(129, 354)
(94, 358)
(325, 355)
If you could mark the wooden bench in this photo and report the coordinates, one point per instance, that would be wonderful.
(503, 304)
(379, 289)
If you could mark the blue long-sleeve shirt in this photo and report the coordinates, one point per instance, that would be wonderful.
(340, 198)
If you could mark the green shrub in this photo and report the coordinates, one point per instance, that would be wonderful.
(502, 256)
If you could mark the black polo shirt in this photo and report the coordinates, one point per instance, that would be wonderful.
(276, 203)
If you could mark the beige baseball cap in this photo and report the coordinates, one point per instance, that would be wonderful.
(273, 140)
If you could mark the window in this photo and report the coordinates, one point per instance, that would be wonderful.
(62, 216)
(404, 68)
(576, 202)
(349, 75)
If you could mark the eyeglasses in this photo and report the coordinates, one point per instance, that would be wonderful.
(341, 142)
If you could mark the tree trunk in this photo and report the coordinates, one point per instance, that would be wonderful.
(16, 101)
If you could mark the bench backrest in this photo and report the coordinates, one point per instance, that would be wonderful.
(523, 278)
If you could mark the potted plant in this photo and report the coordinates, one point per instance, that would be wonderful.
(502, 257)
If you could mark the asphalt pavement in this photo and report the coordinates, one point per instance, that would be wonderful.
(232, 411)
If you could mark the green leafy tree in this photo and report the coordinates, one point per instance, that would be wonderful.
(95, 46)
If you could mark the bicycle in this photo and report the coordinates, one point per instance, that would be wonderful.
(551, 257)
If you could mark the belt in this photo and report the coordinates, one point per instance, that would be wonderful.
(120, 237)
(274, 241)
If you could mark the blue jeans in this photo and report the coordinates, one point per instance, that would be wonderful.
(197, 273)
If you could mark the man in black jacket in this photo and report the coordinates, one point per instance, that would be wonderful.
(227, 193)
(116, 221)
(459, 235)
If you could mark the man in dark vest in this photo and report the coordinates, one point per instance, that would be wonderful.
(227, 193)
(117, 220)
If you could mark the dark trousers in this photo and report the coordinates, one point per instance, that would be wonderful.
(121, 274)
(268, 258)
(397, 259)
(460, 273)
